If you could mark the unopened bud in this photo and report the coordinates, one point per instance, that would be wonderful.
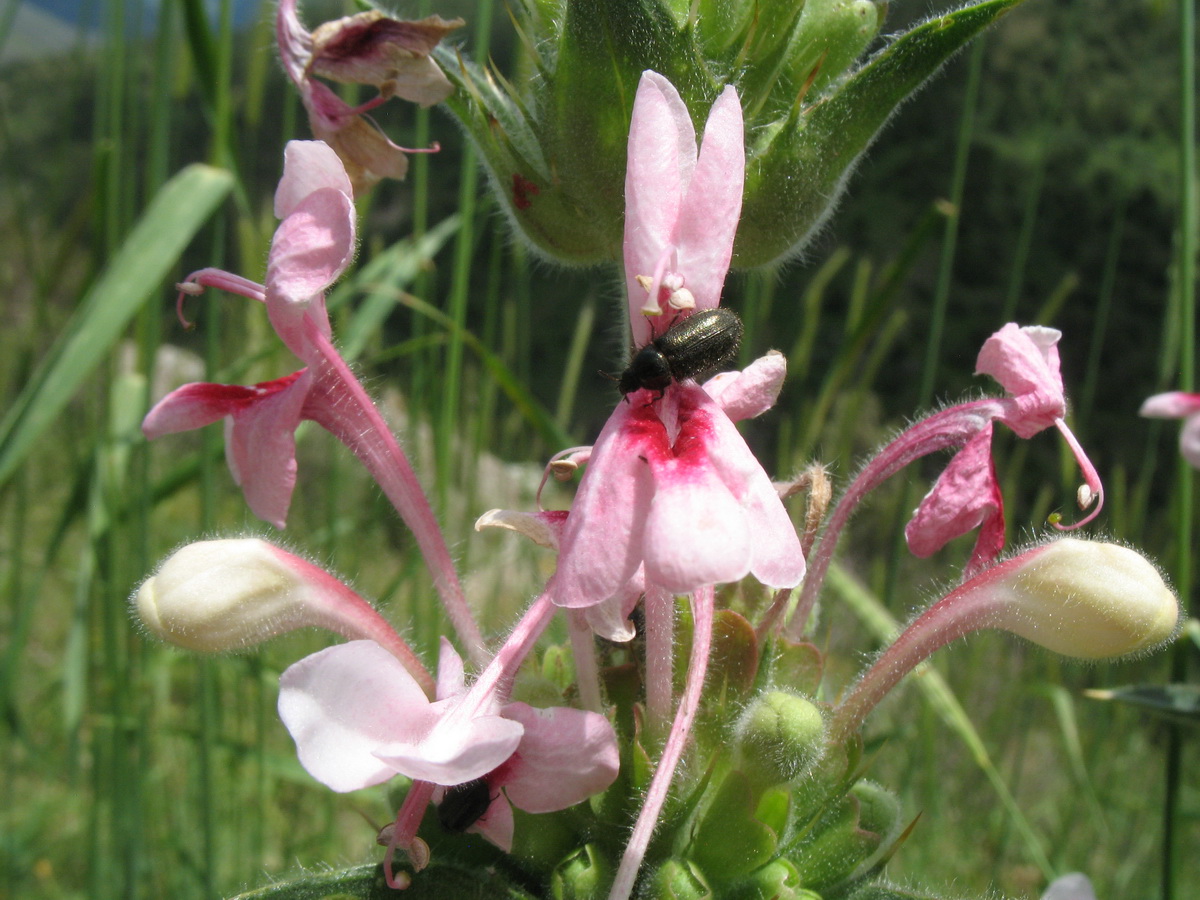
(780, 736)
(220, 595)
(213, 596)
(1086, 599)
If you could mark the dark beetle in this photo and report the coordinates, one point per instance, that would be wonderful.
(464, 804)
(692, 347)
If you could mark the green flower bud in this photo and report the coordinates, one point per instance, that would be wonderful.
(778, 880)
(878, 809)
(678, 880)
(779, 737)
(583, 876)
(554, 145)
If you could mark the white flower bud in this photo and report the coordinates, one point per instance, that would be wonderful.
(219, 595)
(1085, 599)
(224, 594)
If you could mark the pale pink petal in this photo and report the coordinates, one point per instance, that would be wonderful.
(1025, 362)
(602, 544)
(457, 748)
(451, 677)
(965, 496)
(750, 392)
(565, 756)
(696, 532)
(497, 823)
(777, 559)
(311, 247)
(1171, 405)
(260, 447)
(708, 217)
(308, 167)
(342, 703)
(1189, 441)
(662, 157)
(610, 618)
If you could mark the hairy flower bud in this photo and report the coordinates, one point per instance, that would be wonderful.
(780, 735)
(1080, 598)
(1086, 599)
(213, 596)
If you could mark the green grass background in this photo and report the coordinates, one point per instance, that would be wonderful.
(1038, 179)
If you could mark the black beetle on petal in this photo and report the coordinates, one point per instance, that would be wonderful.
(690, 348)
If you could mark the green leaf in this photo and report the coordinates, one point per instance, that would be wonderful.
(366, 883)
(796, 168)
(730, 841)
(130, 278)
(1179, 702)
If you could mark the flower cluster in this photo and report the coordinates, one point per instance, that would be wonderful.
(672, 506)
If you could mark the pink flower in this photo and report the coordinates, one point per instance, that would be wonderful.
(967, 495)
(671, 488)
(1178, 405)
(368, 48)
(312, 247)
(359, 718)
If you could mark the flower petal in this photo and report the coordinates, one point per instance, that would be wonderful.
(311, 247)
(457, 748)
(1025, 362)
(565, 756)
(308, 167)
(451, 677)
(777, 559)
(752, 391)
(1171, 405)
(965, 496)
(344, 702)
(497, 823)
(662, 157)
(696, 533)
(199, 404)
(708, 216)
(601, 545)
(260, 446)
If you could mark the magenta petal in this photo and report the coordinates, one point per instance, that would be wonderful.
(308, 166)
(260, 447)
(342, 703)
(565, 756)
(196, 405)
(708, 217)
(602, 544)
(965, 496)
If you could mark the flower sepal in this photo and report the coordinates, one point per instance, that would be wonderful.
(557, 164)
